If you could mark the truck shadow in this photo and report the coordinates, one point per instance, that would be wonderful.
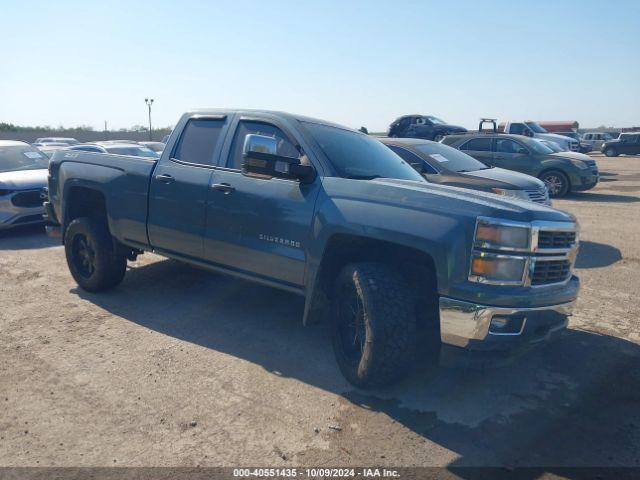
(597, 255)
(572, 403)
(26, 238)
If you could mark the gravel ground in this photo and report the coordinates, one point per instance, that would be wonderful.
(181, 367)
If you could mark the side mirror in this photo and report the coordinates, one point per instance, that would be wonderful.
(523, 151)
(261, 160)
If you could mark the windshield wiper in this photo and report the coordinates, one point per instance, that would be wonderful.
(363, 177)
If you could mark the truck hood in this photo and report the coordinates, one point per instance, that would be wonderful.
(23, 179)
(439, 199)
(508, 179)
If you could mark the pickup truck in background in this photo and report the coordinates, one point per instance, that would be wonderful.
(396, 265)
(533, 130)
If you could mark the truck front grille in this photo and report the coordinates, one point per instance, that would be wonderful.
(556, 239)
(27, 199)
(539, 195)
(550, 271)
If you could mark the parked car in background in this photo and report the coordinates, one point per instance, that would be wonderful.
(23, 175)
(45, 140)
(445, 165)
(533, 130)
(584, 147)
(596, 139)
(396, 264)
(116, 148)
(422, 126)
(625, 144)
(50, 148)
(157, 147)
(562, 172)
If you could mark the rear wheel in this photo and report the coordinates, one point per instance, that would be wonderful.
(93, 259)
(438, 137)
(611, 152)
(557, 183)
(373, 325)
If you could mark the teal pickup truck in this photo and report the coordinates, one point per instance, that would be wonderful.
(395, 264)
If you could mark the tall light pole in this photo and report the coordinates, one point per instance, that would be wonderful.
(149, 102)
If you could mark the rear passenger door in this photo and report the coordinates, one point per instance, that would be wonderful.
(480, 149)
(179, 188)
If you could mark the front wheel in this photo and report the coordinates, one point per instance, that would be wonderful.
(92, 257)
(611, 152)
(438, 137)
(557, 183)
(373, 325)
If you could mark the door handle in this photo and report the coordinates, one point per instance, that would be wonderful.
(223, 187)
(164, 178)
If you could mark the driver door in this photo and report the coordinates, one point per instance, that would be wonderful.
(512, 155)
(259, 226)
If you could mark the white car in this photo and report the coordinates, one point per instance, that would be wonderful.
(23, 175)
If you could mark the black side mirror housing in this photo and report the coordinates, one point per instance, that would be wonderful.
(261, 160)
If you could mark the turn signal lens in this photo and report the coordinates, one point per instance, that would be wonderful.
(490, 268)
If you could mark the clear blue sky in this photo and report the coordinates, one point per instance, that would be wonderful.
(357, 63)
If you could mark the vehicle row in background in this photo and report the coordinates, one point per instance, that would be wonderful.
(116, 147)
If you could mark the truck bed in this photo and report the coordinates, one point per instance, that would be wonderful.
(122, 180)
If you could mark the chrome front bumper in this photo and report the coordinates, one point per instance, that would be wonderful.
(464, 324)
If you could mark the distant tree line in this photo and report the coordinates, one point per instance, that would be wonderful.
(54, 131)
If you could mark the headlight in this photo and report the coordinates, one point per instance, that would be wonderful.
(521, 194)
(497, 235)
(497, 269)
(579, 163)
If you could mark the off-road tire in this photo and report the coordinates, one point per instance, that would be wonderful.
(564, 185)
(108, 265)
(388, 352)
(611, 152)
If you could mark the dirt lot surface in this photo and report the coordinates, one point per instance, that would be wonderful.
(178, 366)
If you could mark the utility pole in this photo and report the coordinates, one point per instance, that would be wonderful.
(149, 102)
(106, 134)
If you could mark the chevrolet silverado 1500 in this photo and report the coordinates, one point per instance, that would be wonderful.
(395, 264)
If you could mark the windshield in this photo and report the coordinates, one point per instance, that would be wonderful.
(134, 151)
(359, 156)
(21, 158)
(436, 120)
(535, 127)
(538, 147)
(450, 158)
(551, 145)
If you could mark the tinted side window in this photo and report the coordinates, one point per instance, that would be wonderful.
(412, 159)
(517, 128)
(285, 146)
(478, 145)
(505, 145)
(198, 141)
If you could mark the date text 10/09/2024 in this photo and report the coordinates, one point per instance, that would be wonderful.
(316, 472)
